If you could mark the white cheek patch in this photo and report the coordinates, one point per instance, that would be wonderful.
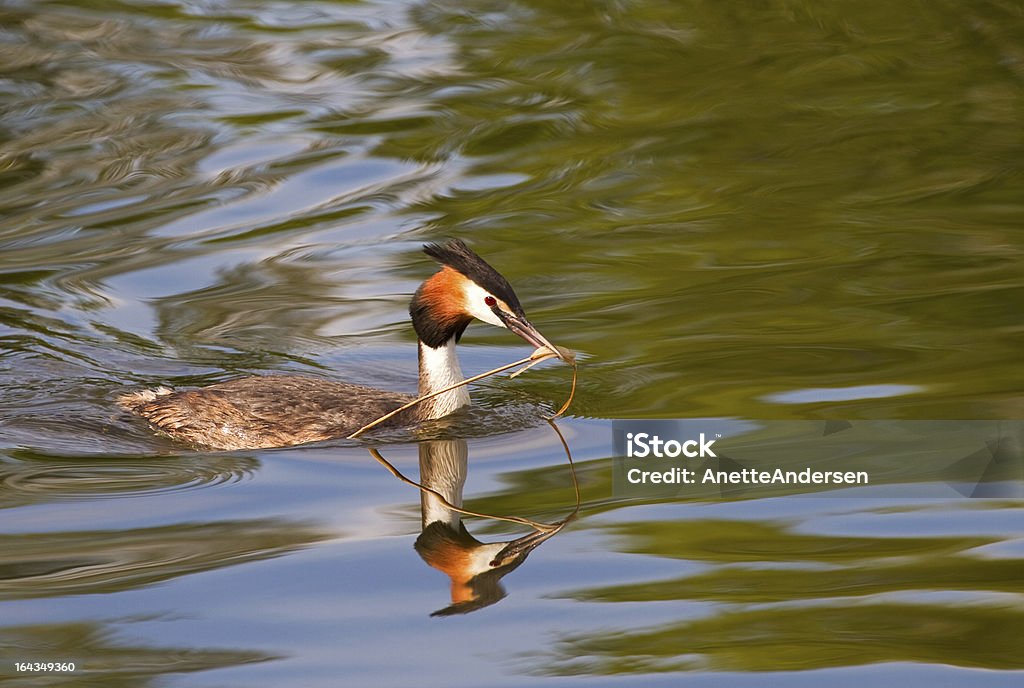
(475, 306)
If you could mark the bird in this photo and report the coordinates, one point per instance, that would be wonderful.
(259, 412)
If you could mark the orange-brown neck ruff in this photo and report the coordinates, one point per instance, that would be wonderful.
(437, 309)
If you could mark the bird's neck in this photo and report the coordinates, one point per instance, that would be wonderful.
(439, 368)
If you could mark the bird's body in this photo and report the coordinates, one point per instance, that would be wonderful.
(282, 410)
(265, 411)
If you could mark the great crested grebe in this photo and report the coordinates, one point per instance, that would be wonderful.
(283, 410)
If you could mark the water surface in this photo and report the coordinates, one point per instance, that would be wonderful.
(788, 211)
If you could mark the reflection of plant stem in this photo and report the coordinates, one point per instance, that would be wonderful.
(568, 454)
(550, 528)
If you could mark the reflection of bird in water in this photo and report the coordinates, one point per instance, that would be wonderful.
(280, 410)
(475, 568)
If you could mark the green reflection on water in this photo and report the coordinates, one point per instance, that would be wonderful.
(739, 585)
(102, 658)
(717, 204)
(744, 541)
(818, 637)
(722, 205)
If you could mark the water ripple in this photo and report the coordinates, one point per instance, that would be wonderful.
(31, 477)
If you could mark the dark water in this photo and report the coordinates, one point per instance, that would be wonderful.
(784, 210)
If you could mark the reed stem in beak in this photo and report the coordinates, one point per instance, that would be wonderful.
(523, 328)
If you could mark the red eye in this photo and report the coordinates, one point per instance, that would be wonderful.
(490, 301)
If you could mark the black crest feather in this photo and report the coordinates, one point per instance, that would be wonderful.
(456, 255)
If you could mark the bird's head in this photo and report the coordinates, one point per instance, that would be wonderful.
(466, 287)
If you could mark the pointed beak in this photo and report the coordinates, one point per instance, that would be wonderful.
(522, 327)
(522, 547)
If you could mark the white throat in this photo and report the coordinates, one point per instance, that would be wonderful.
(439, 368)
